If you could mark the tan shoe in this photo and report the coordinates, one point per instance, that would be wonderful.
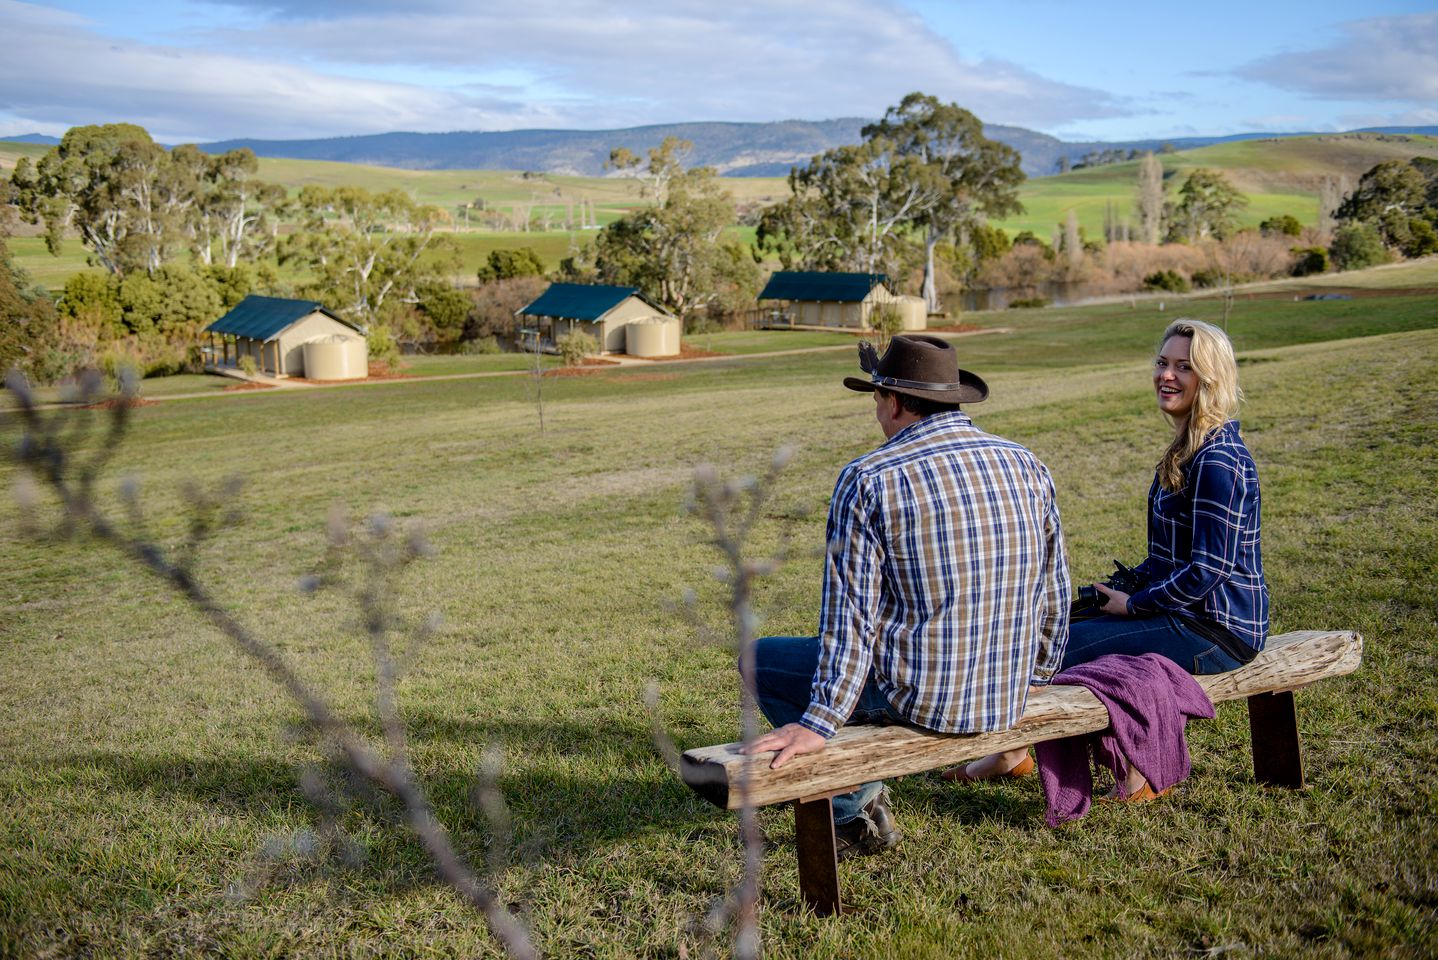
(960, 774)
(1142, 795)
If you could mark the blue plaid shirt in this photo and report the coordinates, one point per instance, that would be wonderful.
(946, 576)
(1203, 542)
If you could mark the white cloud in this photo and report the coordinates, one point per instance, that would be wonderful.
(315, 69)
(63, 73)
(1284, 123)
(1423, 117)
(1383, 58)
(665, 60)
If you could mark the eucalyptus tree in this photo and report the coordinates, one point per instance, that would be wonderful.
(957, 177)
(674, 250)
(1208, 206)
(137, 206)
(234, 219)
(114, 186)
(925, 169)
(367, 252)
(1398, 199)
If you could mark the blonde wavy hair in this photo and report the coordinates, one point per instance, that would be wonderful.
(1210, 355)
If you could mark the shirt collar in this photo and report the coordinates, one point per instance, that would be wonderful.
(931, 424)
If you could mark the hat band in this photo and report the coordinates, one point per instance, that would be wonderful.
(879, 381)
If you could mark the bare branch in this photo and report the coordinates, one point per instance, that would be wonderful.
(50, 455)
(731, 510)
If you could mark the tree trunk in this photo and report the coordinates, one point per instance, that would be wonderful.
(931, 285)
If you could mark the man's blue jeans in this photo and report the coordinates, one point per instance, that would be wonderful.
(783, 674)
(1167, 634)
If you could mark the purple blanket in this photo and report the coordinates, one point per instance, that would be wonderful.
(1149, 700)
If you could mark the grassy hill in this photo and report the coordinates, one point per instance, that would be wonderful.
(149, 783)
(1279, 176)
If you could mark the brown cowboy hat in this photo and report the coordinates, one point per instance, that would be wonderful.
(919, 366)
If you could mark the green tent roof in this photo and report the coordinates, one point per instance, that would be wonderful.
(827, 287)
(582, 301)
(262, 318)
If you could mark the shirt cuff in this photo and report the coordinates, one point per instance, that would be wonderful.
(821, 720)
(1139, 602)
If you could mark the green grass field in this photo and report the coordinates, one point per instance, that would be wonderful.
(149, 792)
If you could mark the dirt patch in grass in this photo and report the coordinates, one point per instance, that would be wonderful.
(248, 385)
(586, 366)
(955, 328)
(1324, 292)
(686, 352)
(375, 373)
(114, 403)
(645, 377)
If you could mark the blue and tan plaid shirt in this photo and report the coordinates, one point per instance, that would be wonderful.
(946, 575)
(1203, 542)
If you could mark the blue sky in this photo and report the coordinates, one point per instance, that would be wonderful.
(283, 69)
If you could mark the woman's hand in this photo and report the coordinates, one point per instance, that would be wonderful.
(1116, 601)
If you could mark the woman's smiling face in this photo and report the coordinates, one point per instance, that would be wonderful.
(1174, 380)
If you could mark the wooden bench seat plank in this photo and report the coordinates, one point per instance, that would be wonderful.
(859, 754)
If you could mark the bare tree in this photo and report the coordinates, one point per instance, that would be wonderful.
(1331, 192)
(1150, 198)
(1073, 244)
(536, 371)
(59, 452)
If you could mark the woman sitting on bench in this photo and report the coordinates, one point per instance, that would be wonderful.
(1205, 603)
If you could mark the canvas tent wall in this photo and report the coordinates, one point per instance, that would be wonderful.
(814, 299)
(274, 331)
(601, 310)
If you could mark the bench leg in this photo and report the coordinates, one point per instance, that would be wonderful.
(1273, 727)
(818, 862)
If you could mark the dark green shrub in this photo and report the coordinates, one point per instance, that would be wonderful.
(506, 264)
(1422, 239)
(1309, 261)
(1170, 280)
(1283, 225)
(1205, 278)
(1357, 245)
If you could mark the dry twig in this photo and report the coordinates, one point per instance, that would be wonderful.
(53, 450)
(731, 509)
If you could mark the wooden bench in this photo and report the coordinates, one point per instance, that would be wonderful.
(859, 754)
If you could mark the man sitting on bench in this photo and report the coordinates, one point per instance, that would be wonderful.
(945, 594)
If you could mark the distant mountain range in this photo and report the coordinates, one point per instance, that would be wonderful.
(734, 149)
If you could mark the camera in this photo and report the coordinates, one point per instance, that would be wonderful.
(1090, 601)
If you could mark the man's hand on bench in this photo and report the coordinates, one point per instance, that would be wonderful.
(790, 740)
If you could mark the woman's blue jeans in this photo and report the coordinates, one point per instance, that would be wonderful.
(1167, 634)
(783, 674)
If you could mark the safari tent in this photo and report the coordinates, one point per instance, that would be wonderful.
(601, 310)
(275, 331)
(845, 300)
